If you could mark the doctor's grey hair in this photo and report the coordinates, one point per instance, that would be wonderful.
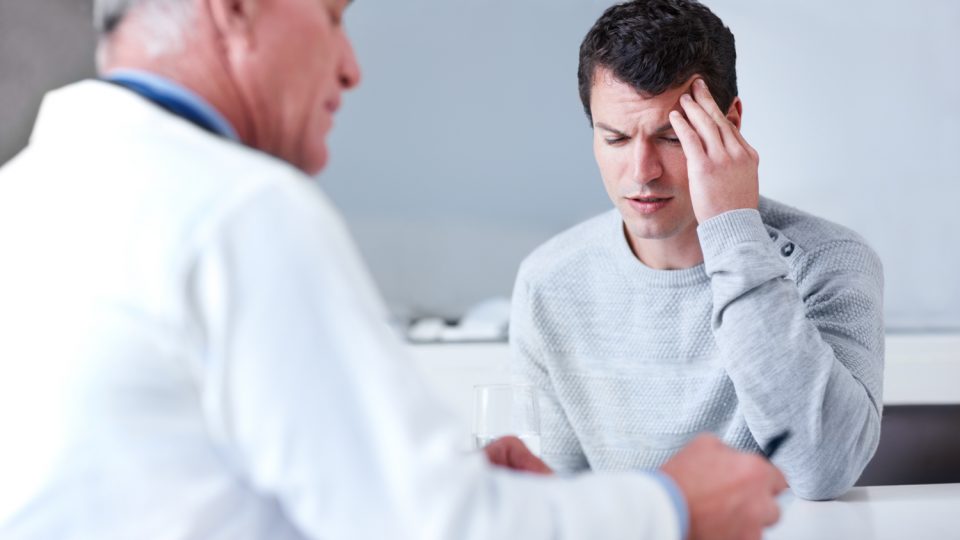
(163, 23)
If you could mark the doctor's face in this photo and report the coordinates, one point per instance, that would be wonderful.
(305, 63)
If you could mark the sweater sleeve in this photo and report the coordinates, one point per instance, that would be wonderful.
(805, 356)
(561, 449)
(312, 399)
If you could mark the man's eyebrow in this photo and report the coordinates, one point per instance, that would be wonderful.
(605, 127)
(663, 129)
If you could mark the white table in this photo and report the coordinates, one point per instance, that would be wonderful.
(923, 512)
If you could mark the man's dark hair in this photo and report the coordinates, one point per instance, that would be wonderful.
(656, 45)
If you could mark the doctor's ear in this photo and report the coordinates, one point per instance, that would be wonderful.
(234, 22)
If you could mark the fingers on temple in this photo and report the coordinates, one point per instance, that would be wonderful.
(705, 99)
(733, 141)
(704, 124)
(689, 140)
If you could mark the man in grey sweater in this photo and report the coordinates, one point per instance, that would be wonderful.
(695, 305)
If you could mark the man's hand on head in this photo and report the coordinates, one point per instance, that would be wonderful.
(721, 166)
(511, 453)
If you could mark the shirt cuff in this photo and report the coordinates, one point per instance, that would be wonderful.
(679, 502)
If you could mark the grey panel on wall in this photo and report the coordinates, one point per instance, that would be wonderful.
(43, 44)
(466, 145)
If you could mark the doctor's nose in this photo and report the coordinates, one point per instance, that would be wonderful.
(349, 67)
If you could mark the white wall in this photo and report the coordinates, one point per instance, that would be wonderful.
(466, 145)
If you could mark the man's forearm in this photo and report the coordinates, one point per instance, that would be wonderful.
(819, 377)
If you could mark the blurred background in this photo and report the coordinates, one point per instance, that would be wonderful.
(466, 145)
(44, 44)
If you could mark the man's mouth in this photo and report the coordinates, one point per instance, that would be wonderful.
(648, 204)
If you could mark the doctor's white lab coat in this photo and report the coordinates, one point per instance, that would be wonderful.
(190, 348)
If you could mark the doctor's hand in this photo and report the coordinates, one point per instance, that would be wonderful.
(730, 495)
(721, 166)
(511, 453)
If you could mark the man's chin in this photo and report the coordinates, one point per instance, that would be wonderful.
(648, 228)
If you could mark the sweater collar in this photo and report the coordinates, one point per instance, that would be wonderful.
(634, 267)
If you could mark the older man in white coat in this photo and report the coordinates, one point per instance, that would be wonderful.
(191, 348)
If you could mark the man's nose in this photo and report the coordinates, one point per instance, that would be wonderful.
(646, 163)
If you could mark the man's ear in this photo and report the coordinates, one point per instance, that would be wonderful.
(735, 112)
(233, 22)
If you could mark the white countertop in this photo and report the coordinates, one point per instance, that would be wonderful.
(923, 512)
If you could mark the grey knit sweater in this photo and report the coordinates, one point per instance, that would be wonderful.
(780, 328)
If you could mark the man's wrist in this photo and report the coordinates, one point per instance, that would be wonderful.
(719, 233)
(708, 213)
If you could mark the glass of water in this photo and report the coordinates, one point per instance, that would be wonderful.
(506, 409)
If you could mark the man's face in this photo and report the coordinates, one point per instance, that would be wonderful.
(640, 159)
(302, 64)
